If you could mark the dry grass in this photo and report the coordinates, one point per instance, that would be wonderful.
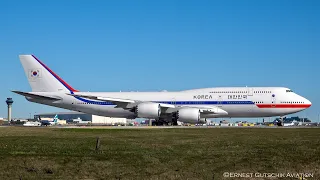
(47, 153)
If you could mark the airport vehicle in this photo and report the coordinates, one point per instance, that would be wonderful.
(189, 106)
(289, 124)
(32, 124)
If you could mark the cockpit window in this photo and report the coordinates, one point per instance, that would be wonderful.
(288, 90)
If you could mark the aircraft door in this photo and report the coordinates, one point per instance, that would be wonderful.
(250, 91)
(74, 104)
(173, 101)
(273, 100)
(249, 98)
(219, 101)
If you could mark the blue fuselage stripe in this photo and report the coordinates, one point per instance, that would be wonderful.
(177, 102)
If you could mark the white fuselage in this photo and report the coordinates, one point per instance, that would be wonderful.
(237, 101)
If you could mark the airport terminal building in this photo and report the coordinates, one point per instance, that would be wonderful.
(83, 118)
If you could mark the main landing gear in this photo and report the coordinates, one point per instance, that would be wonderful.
(165, 122)
(174, 119)
(174, 122)
(280, 122)
(158, 122)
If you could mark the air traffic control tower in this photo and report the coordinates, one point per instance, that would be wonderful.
(9, 102)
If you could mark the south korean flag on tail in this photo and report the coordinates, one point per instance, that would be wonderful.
(34, 74)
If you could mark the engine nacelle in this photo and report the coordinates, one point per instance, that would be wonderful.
(148, 110)
(188, 115)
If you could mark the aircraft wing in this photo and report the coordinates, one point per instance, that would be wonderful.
(107, 99)
(37, 96)
(121, 103)
(129, 103)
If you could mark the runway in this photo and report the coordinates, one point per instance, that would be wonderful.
(159, 127)
(181, 127)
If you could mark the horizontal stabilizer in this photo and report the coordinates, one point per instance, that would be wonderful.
(37, 96)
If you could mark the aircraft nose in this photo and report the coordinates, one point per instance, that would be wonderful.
(308, 103)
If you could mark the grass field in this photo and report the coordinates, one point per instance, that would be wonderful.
(52, 153)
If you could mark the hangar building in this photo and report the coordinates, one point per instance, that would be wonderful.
(79, 117)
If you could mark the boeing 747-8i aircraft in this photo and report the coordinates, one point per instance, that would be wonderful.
(192, 106)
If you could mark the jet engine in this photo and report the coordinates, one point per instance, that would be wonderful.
(148, 110)
(188, 115)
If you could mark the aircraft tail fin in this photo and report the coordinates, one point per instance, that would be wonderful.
(55, 119)
(41, 78)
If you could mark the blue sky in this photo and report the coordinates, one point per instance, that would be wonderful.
(156, 45)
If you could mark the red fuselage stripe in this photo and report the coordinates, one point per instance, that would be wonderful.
(283, 105)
